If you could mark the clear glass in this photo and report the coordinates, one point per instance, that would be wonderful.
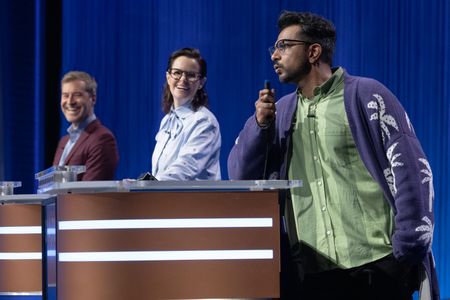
(57, 174)
(133, 185)
(7, 187)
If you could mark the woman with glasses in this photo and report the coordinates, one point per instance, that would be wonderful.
(188, 141)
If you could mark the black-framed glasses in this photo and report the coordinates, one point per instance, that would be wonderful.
(176, 74)
(284, 44)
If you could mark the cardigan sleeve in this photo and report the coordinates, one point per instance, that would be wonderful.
(248, 156)
(398, 161)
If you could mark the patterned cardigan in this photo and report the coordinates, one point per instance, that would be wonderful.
(387, 145)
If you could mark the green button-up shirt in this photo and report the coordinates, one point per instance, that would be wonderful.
(342, 218)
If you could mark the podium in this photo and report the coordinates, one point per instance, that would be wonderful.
(166, 240)
(20, 244)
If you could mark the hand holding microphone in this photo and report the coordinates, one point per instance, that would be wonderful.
(265, 106)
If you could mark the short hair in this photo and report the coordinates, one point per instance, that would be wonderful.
(200, 97)
(91, 84)
(315, 28)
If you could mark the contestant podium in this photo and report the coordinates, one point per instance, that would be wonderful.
(21, 244)
(167, 240)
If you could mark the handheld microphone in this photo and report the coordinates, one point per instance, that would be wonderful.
(267, 84)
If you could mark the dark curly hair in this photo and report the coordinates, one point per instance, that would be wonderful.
(315, 28)
(200, 97)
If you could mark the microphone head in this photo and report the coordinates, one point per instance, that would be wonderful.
(267, 84)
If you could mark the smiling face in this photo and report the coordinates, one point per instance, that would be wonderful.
(182, 89)
(76, 103)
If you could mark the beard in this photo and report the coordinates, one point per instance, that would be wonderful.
(297, 75)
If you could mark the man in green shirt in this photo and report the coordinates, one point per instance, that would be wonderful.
(340, 211)
(361, 227)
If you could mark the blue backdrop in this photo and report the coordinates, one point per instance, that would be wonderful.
(125, 45)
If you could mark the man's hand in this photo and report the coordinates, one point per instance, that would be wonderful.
(265, 107)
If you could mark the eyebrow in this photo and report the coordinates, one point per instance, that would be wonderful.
(184, 70)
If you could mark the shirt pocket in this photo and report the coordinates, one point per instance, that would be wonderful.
(339, 147)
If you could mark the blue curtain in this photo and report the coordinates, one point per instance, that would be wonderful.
(125, 45)
(22, 112)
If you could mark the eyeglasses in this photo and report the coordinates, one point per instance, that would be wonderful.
(282, 45)
(176, 74)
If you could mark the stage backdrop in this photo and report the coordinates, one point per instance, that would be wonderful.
(125, 45)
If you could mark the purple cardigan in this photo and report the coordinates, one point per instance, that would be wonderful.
(387, 145)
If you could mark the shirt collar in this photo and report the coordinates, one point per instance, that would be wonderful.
(329, 85)
(82, 125)
(183, 111)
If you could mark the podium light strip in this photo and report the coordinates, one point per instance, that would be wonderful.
(20, 230)
(20, 255)
(11, 294)
(166, 223)
(164, 255)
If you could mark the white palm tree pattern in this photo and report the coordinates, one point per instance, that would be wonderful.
(381, 115)
(390, 180)
(427, 230)
(389, 172)
(428, 178)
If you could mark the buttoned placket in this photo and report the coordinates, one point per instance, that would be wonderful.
(319, 184)
(170, 132)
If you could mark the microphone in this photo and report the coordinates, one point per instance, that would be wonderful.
(267, 84)
(311, 111)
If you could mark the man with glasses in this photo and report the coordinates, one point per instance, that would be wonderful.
(88, 142)
(188, 142)
(361, 226)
